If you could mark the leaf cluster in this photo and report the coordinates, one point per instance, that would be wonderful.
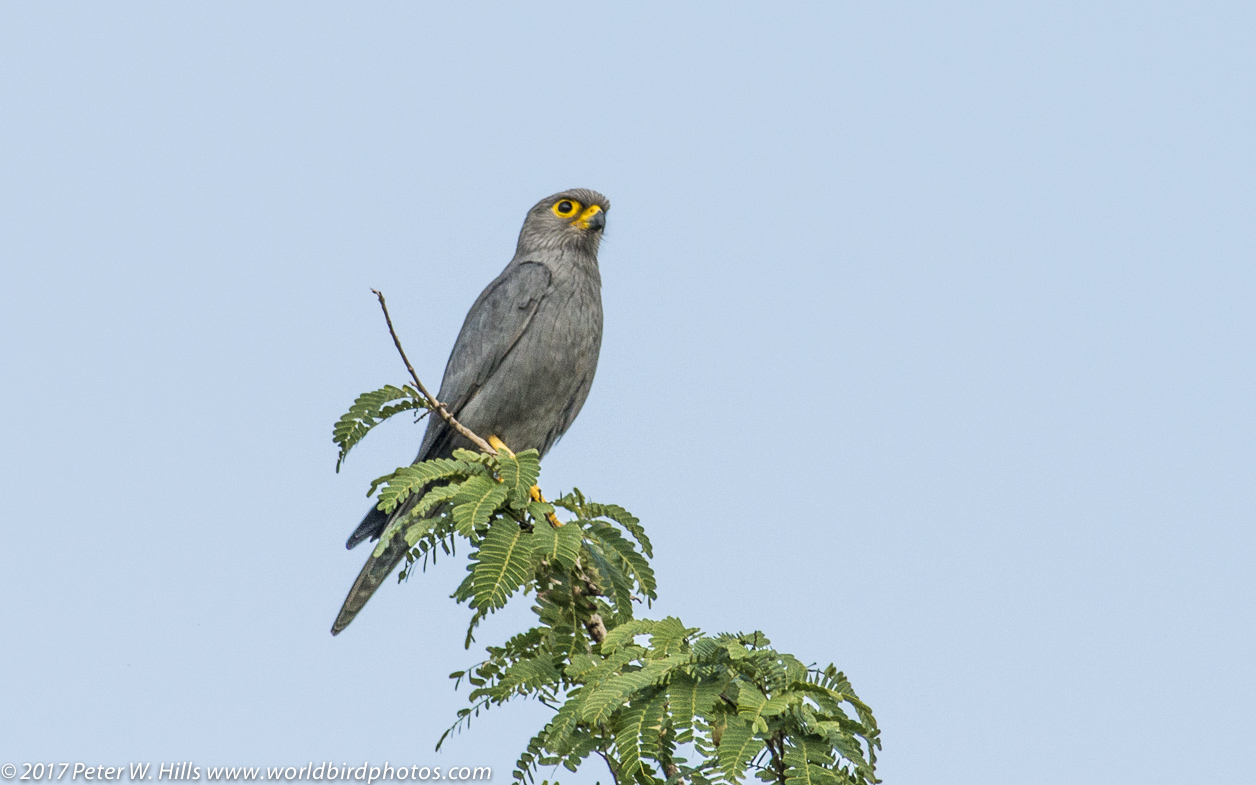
(636, 692)
(369, 410)
(652, 688)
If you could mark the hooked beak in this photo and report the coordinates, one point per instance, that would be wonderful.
(593, 219)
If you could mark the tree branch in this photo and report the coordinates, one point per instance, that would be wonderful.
(597, 630)
(436, 405)
(605, 757)
(778, 756)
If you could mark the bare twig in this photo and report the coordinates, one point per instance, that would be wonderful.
(609, 765)
(436, 405)
(778, 756)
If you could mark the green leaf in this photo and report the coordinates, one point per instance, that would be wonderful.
(519, 474)
(805, 762)
(475, 502)
(777, 704)
(710, 650)
(531, 674)
(607, 669)
(475, 456)
(750, 703)
(638, 734)
(669, 637)
(561, 728)
(848, 747)
(737, 746)
(369, 410)
(413, 522)
(540, 511)
(579, 665)
(416, 530)
(689, 697)
(623, 518)
(466, 589)
(501, 566)
(610, 694)
(559, 546)
(573, 502)
(613, 580)
(629, 561)
(433, 497)
(399, 485)
(624, 634)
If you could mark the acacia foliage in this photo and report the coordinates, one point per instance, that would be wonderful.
(639, 693)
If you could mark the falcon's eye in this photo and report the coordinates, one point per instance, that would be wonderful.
(566, 208)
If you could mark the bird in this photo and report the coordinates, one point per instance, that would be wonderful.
(523, 363)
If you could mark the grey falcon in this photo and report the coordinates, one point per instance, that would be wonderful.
(523, 362)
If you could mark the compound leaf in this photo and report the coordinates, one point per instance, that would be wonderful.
(502, 565)
(738, 745)
(369, 410)
(475, 502)
(519, 473)
(560, 546)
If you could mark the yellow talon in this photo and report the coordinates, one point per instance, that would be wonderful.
(498, 444)
(535, 492)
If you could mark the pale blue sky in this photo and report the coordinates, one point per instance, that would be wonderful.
(994, 266)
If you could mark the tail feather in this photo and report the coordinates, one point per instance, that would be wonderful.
(372, 526)
(373, 575)
(377, 568)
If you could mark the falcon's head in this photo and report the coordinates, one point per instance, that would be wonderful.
(571, 220)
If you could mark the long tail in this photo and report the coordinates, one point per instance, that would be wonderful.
(374, 572)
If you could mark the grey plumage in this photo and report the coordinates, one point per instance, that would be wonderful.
(524, 360)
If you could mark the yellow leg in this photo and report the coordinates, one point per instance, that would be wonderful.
(535, 490)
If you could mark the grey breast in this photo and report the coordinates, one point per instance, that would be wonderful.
(537, 391)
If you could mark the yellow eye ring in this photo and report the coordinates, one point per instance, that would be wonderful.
(565, 208)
